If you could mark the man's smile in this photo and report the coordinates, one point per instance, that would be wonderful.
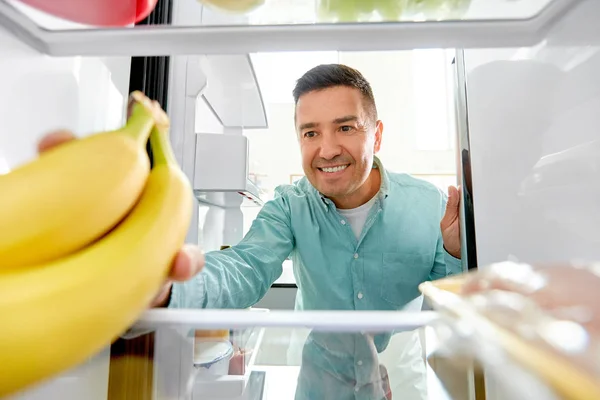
(335, 168)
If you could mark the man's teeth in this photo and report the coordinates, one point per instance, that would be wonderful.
(334, 169)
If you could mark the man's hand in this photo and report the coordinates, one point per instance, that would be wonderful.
(450, 225)
(188, 262)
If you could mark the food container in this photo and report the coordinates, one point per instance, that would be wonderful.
(504, 336)
(211, 357)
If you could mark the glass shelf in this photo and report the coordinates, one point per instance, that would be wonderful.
(337, 321)
(297, 25)
(295, 12)
(263, 354)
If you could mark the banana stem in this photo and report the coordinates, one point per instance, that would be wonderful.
(162, 152)
(139, 124)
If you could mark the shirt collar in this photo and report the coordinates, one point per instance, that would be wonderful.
(383, 190)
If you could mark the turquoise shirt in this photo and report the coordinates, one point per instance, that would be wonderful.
(400, 246)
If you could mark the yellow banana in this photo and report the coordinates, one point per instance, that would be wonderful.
(54, 316)
(74, 193)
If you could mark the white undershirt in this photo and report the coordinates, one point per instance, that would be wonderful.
(358, 216)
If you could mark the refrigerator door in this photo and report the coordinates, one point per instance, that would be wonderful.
(534, 145)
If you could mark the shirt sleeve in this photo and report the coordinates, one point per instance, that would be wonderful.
(239, 276)
(444, 264)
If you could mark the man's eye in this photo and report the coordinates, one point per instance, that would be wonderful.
(309, 134)
(346, 128)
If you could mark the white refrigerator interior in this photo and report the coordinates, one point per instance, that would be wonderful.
(535, 145)
(527, 122)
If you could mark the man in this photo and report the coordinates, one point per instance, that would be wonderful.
(360, 237)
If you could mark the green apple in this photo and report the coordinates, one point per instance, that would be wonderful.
(437, 9)
(235, 6)
(340, 10)
(392, 10)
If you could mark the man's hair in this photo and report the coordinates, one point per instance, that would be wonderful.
(330, 75)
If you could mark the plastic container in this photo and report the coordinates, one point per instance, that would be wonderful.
(211, 357)
(540, 319)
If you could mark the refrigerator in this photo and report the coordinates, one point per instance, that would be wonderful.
(526, 93)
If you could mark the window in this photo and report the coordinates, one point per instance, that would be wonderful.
(432, 92)
(277, 72)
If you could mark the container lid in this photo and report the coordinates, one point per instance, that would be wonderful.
(208, 352)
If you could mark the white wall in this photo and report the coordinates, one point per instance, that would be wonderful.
(39, 94)
(392, 76)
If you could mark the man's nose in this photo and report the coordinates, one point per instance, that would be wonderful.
(330, 147)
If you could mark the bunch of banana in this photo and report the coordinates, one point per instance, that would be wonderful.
(88, 232)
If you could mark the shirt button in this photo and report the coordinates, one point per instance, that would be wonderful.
(359, 362)
(343, 222)
(359, 295)
(356, 389)
(355, 255)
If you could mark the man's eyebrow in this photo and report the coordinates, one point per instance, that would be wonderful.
(340, 120)
(347, 118)
(308, 125)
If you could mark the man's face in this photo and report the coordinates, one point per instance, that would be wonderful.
(337, 140)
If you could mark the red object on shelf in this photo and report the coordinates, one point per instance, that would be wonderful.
(96, 12)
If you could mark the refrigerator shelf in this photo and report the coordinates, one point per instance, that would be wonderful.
(292, 25)
(333, 321)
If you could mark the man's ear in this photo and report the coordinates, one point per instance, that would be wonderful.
(378, 136)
